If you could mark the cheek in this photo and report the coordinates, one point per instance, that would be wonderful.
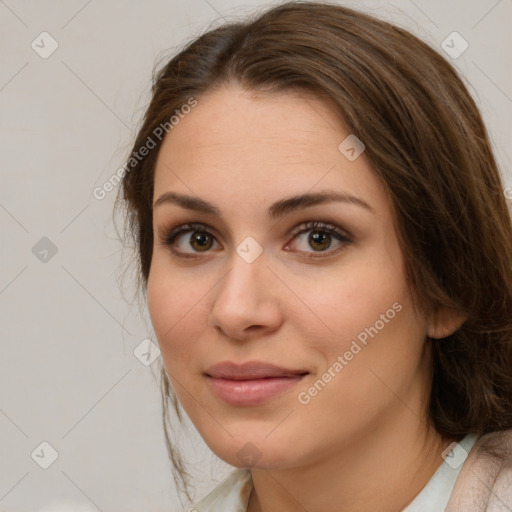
(175, 304)
(375, 356)
(372, 323)
(354, 298)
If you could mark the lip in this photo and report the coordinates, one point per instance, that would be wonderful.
(250, 383)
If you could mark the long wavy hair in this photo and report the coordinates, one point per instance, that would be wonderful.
(427, 143)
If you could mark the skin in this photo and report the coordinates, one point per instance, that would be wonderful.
(364, 441)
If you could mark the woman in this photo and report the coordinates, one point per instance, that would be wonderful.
(325, 245)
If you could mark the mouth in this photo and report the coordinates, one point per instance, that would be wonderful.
(251, 383)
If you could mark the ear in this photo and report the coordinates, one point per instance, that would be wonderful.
(444, 322)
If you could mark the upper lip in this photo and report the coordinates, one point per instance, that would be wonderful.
(250, 370)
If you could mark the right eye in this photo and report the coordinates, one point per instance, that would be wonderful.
(188, 236)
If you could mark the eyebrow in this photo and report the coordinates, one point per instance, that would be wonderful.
(277, 209)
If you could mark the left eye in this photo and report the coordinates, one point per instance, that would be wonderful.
(320, 236)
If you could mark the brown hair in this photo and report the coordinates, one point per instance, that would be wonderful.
(425, 139)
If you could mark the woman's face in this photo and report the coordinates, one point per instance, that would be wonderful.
(255, 283)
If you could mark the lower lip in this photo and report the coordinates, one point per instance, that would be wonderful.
(251, 392)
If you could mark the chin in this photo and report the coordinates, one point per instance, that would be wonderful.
(253, 453)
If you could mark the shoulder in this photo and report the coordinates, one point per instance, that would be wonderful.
(485, 480)
(231, 495)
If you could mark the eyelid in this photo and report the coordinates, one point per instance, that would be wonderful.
(320, 225)
(168, 234)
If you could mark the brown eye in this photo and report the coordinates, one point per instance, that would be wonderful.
(320, 237)
(200, 241)
(188, 240)
(319, 240)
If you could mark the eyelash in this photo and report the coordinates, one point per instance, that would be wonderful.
(168, 237)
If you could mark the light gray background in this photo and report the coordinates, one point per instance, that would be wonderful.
(68, 372)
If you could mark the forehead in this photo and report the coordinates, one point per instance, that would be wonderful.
(237, 144)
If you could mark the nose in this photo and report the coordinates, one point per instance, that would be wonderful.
(245, 301)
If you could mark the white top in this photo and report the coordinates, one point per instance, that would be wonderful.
(232, 495)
